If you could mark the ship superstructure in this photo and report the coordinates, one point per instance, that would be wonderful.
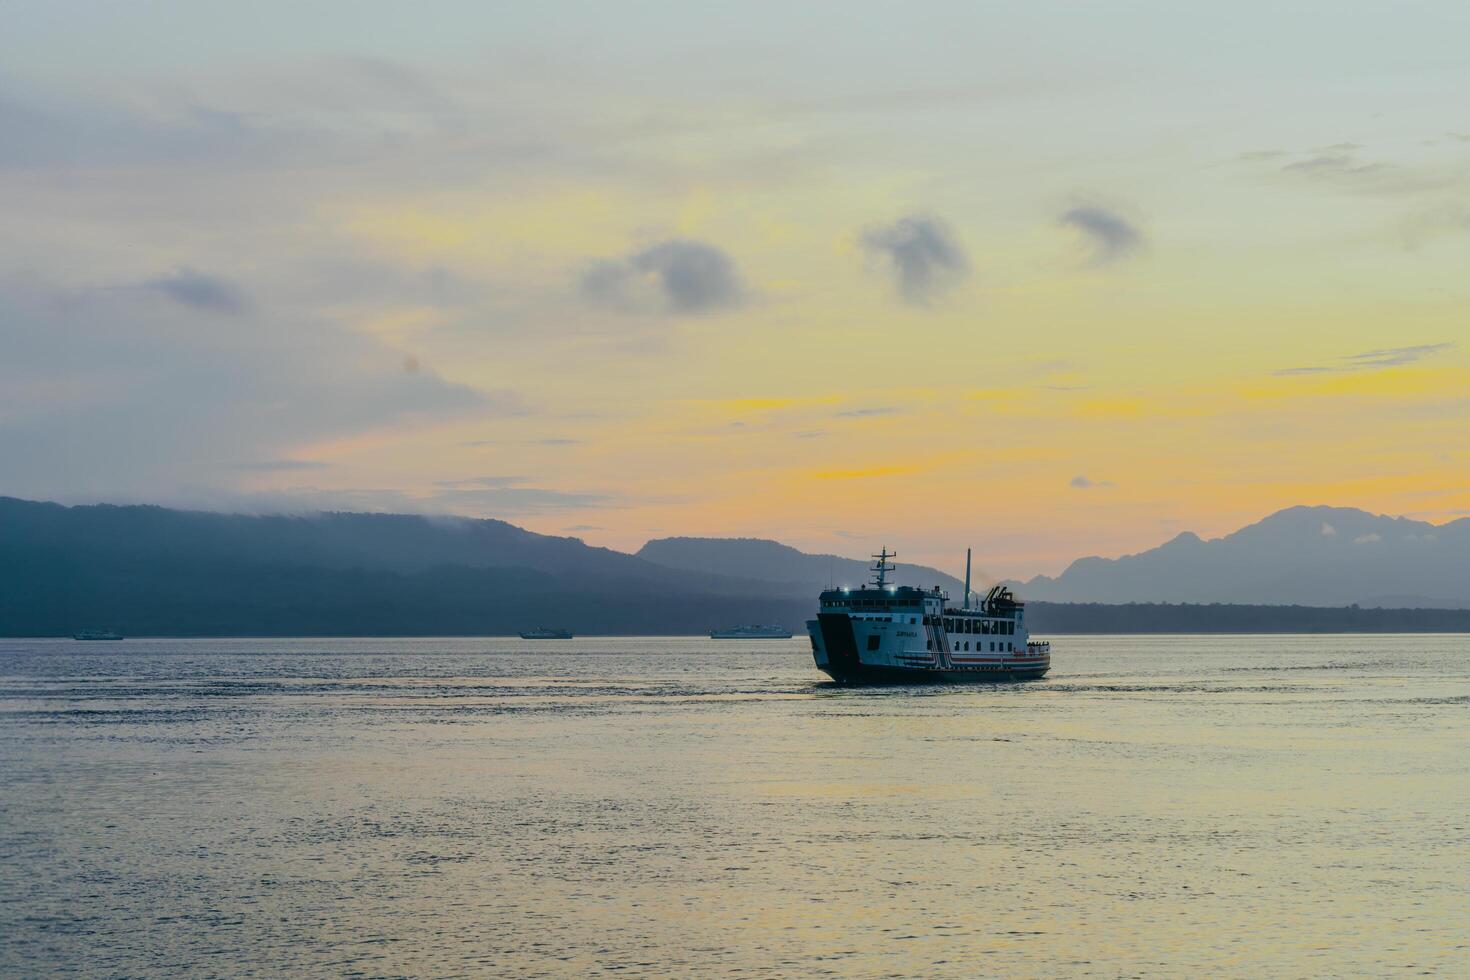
(883, 633)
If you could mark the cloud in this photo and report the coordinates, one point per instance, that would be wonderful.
(200, 291)
(1394, 356)
(280, 465)
(1335, 164)
(480, 482)
(678, 276)
(1328, 531)
(1447, 219)
(861, 413)
(1109, 236)
(509, 496)
(1373, 360)
(1083, 482)
(106, 394)
(1367, 538)
(1339, 166)
(47, 130)
(923, 255)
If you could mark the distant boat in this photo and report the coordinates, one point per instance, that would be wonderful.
(751, 633)
(97, 635)
(546, 633)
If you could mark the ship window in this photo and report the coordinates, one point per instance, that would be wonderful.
(928, 644)
(873, 641)
(992, 646)
(926, 621)
(1010, 629)
(912, 621)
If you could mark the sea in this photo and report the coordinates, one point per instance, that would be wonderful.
(1168, 806)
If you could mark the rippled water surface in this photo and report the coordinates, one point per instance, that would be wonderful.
(1158, 806)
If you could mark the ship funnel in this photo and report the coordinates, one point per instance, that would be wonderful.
(967, 578)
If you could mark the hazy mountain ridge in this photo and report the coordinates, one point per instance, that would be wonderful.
(153, 571)
(1316, 556)
(402, 543)
(783, 565)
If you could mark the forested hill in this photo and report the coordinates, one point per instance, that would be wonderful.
(156, 571)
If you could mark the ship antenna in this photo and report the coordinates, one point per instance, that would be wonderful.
(967, 578)
(882, 568)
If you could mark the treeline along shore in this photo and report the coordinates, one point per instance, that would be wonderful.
(287, 601)
(1161, 617)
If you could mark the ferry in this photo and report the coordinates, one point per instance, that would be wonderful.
(752, 633)
(546, 633)
(886, 634)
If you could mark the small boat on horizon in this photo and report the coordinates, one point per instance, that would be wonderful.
(97, 635)
(546, 633)
(751, 633)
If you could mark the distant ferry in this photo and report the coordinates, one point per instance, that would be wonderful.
(97, 635)
(752, 633)
(885, 634)
(546, 633)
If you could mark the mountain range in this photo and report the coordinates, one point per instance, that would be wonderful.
(154, 571)
(1316, 556)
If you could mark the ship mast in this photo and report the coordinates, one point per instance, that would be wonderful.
(882, 568)
(967, 578)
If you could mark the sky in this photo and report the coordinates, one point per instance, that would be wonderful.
(1042, 279)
